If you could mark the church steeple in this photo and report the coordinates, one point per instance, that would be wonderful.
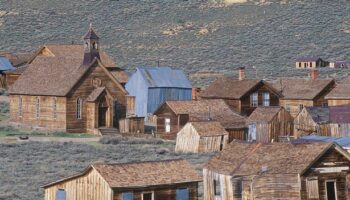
(91, 46)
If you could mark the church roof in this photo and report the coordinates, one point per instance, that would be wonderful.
(91, 34)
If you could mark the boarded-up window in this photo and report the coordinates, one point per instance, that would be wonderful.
(217, 187)
(312, 188)
(182, 194)
(237, 188)
(128, 196)
(61, 195)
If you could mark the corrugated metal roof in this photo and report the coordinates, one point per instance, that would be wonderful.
(164, 77)
(5, 64)
(343, 141)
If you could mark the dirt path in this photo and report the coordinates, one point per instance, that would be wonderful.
(49, 139)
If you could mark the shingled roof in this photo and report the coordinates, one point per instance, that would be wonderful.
(341, 91)
(199, 111)
(240, 159)
(298, 88)
(228, 88)
(209, 128)
(264, 114)
(54, 74)
(142, 174)
(319, 114)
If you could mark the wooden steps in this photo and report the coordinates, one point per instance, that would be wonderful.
(108, 131)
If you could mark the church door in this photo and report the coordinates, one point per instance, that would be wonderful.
(102, 113)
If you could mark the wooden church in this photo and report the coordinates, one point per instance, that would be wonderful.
(69, 88)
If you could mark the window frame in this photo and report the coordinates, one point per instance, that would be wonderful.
(79, 106)
(167, 123)
(147, 192)
(182, 188)
(37, 107)
(129, 192)
(301, 107)
(264, 100)
(335, 187)
(62, 190)
(254, 102)
(54, 108)
(308, 183)
(216, 183)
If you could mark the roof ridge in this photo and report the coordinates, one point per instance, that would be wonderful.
(139, 162)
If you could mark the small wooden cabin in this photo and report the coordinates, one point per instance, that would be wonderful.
(299, 92)
(69, 88)
(278, 171)
(173, 115)
(201, 137)
(310, 62)
(242, 95)
(154, 180)
(269, 124)
(331, 121)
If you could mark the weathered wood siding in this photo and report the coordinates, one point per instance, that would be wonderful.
(89, 186)
(11, 79)
(176, 121)
(188, 140)
(132, 125)
(337, 102)
(46, 119)
(330, 159)
(226, 188)
(161, 192)
(304, 124)
(294, 105)
(339, 130)
(83, 89)
(237, 134)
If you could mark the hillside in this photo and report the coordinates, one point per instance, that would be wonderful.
(195, 35)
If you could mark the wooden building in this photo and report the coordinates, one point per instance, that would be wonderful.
(153, 180)
(152, 86)
(296, 171)
(69, 88)
(269, 124)
(340, 95)
(173, 115)
(242, 95)
(201, 137)
(310, 62)
(299, 92)
(331, 121)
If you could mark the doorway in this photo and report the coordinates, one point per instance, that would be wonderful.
(331, 190)
(102, 113)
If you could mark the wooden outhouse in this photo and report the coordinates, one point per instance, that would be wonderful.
(242, 95)
(300, 92)
(173, 115)
(269, 124)
(290, 171)
(201, 137)
(153, 180)
(69, 88)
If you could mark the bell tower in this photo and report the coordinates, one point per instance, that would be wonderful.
(91, 46)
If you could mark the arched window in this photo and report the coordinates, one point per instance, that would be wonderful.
(37, 107)
(20, 111)
(79, 107)
(54, 107)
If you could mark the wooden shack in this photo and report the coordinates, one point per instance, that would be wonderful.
(278, 171)
(333, 121)
(69, 88)
(132, 125)
(153, 180)
(300, 92)
(201, 137)
(242, 95)
(173, 115)
(310, 62)
(269, 124)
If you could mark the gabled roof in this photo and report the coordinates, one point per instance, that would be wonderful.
(264, 114)
(202, 109)
(91, 34)
(341, 91)
(95, 94)
(344, 142)
(308, 59)
(303, 89)
(5, 64)
(56, 74)
(241, 159)
(228, 88)
(164, 77)
(208, 128)
(142, 174)
(319, 114)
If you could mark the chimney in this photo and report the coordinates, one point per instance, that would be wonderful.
(241, 73)
(314, 74)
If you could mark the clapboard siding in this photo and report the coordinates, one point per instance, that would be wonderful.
(46, 117)
(89, 186)
(293, 106)
(337, 102)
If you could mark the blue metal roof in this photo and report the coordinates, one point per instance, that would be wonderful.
(5, 64)
(164, 77)
(342, 141)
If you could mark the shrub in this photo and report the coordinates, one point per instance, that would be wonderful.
(110, 139)
(4, 107)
